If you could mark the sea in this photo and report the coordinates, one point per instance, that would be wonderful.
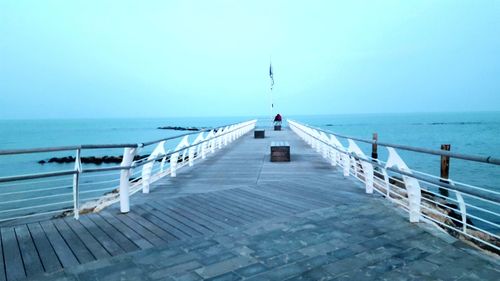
(476, 133)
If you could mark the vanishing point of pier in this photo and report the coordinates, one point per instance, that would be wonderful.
(237, 216)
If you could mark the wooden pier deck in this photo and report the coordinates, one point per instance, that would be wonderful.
(238, 216)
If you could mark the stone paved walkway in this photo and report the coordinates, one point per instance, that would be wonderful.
(334, 243)
(316, 225)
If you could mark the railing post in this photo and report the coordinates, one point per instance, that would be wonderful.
(174, 158)
(204, 150)
(463, 210)
(128, 158)
(191, 156)
(374, 146)
(347, 164)
(76, 189)
(445, 169)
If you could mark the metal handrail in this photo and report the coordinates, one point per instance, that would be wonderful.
(16, 192)
(410, 196)
(489, 197)
(476, 158)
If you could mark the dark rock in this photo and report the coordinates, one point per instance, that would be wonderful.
(456, 215)
(177, 128)
(41, 162)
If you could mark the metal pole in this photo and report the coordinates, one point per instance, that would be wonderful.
(76, 190)
(445, 169)
(128, 158)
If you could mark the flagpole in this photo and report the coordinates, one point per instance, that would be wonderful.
(271, 74)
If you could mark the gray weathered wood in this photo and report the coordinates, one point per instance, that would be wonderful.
(64, 253)
(14, 267)
(47, 254)
(32, 263)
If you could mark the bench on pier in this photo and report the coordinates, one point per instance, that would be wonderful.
(259, 133)
(280, 151)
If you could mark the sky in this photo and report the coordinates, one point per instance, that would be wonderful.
(107, 59)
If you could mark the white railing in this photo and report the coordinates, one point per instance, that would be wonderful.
(81, 189)
(472, 213)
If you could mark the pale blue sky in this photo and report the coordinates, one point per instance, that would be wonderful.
(74, 59)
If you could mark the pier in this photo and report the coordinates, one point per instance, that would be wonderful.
(235, 215)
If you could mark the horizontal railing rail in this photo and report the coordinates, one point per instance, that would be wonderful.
(476, 158)
(85, 189)
(471, 214)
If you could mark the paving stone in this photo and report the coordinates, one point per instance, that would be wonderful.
(178, 269)
(283, 272)
(345, 265)
(158, 260)
(189, 276)
(224, 266)
(283, 259)
(316, 274)
(120, 271)
(265, 253)
(251, 270)
(316, 250)
(230, 276)
(216, 258)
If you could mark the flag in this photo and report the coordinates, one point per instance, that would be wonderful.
(271, 75)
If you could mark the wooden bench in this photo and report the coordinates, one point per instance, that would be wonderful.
(259, 134)
(280, 151)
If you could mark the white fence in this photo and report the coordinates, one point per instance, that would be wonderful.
(469, 211)
(82, 189)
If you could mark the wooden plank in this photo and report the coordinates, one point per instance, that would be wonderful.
(323, 198)
(201, 215)
(111, 246)
(294, 198)
(32, 263)
(128, 232)
(261, 202)
(14, 267)
(135, 218)
(205, 221)
(77, 247)
(2, 263)
(246, 214)
(153, 217)
(221, 215)
(239, 209)
(120, 239)
(228, 213)
(254, 204)
(141, 230)
(187, 220)
(257, 204)
(97, 250)
(48, 256)
(285, 205)
(64, 253)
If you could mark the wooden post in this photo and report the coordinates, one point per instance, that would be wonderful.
(374, 146)
(445, 169)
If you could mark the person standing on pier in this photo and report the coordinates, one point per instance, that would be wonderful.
(277, 119)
